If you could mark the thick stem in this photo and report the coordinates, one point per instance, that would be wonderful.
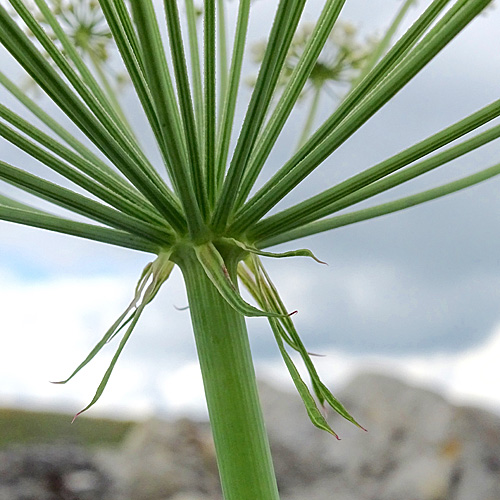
(242, 447)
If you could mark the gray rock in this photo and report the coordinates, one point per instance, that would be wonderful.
(418, 447)
(188, 496)
(159, 460)
(478, 466)
(51, 472)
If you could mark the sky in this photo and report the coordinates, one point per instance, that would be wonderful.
(415, 293)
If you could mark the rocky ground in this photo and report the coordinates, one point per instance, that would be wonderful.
(418, 447)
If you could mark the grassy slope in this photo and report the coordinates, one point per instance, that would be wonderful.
(22, 426)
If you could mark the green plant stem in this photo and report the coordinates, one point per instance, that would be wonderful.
(111, 93)
(194, 53)
(242, 447)
(379, 210)
(313, 109)
(222, 40)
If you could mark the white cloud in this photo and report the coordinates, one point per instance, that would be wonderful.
(477, 374)
(44, 324)
(49, 326)
(183, 390)
(468, 377)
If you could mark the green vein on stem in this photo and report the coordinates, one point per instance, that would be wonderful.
(243, 455)
(10, 211)
(343, 193)
(160, 84)
(186, 105)
(131, 166)
(194, 53)
(229, 106)
(327, 138)
(383, 209)
(282, 31)
(222, 40)
(128, 45)
(82, 164)
(210, 123)
(5, 201)
(120, 14)
(290, 95)
(80, 204)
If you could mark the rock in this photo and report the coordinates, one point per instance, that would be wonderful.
(418, 447)
(160, 460)
(51, 472)
(188, 496)
(427, 477)
(478, 467)
(320, 490)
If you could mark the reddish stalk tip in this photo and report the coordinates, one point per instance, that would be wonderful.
(76, 416)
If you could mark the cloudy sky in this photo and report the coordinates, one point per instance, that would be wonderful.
(415, 293)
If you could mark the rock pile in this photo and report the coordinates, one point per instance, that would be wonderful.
(160, 461)
(418, 447)
(51, 472)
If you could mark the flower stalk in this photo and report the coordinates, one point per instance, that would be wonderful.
(242, 447)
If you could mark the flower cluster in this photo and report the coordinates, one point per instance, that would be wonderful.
(339, 64)
(85, 26)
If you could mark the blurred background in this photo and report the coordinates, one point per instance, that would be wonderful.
(413, 295)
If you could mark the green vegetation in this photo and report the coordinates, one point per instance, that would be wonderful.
(23, 426)
(196, 208)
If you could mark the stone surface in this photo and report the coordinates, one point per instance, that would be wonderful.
(160, 460)
(52, 472)
(418, 447)
(188, 496)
